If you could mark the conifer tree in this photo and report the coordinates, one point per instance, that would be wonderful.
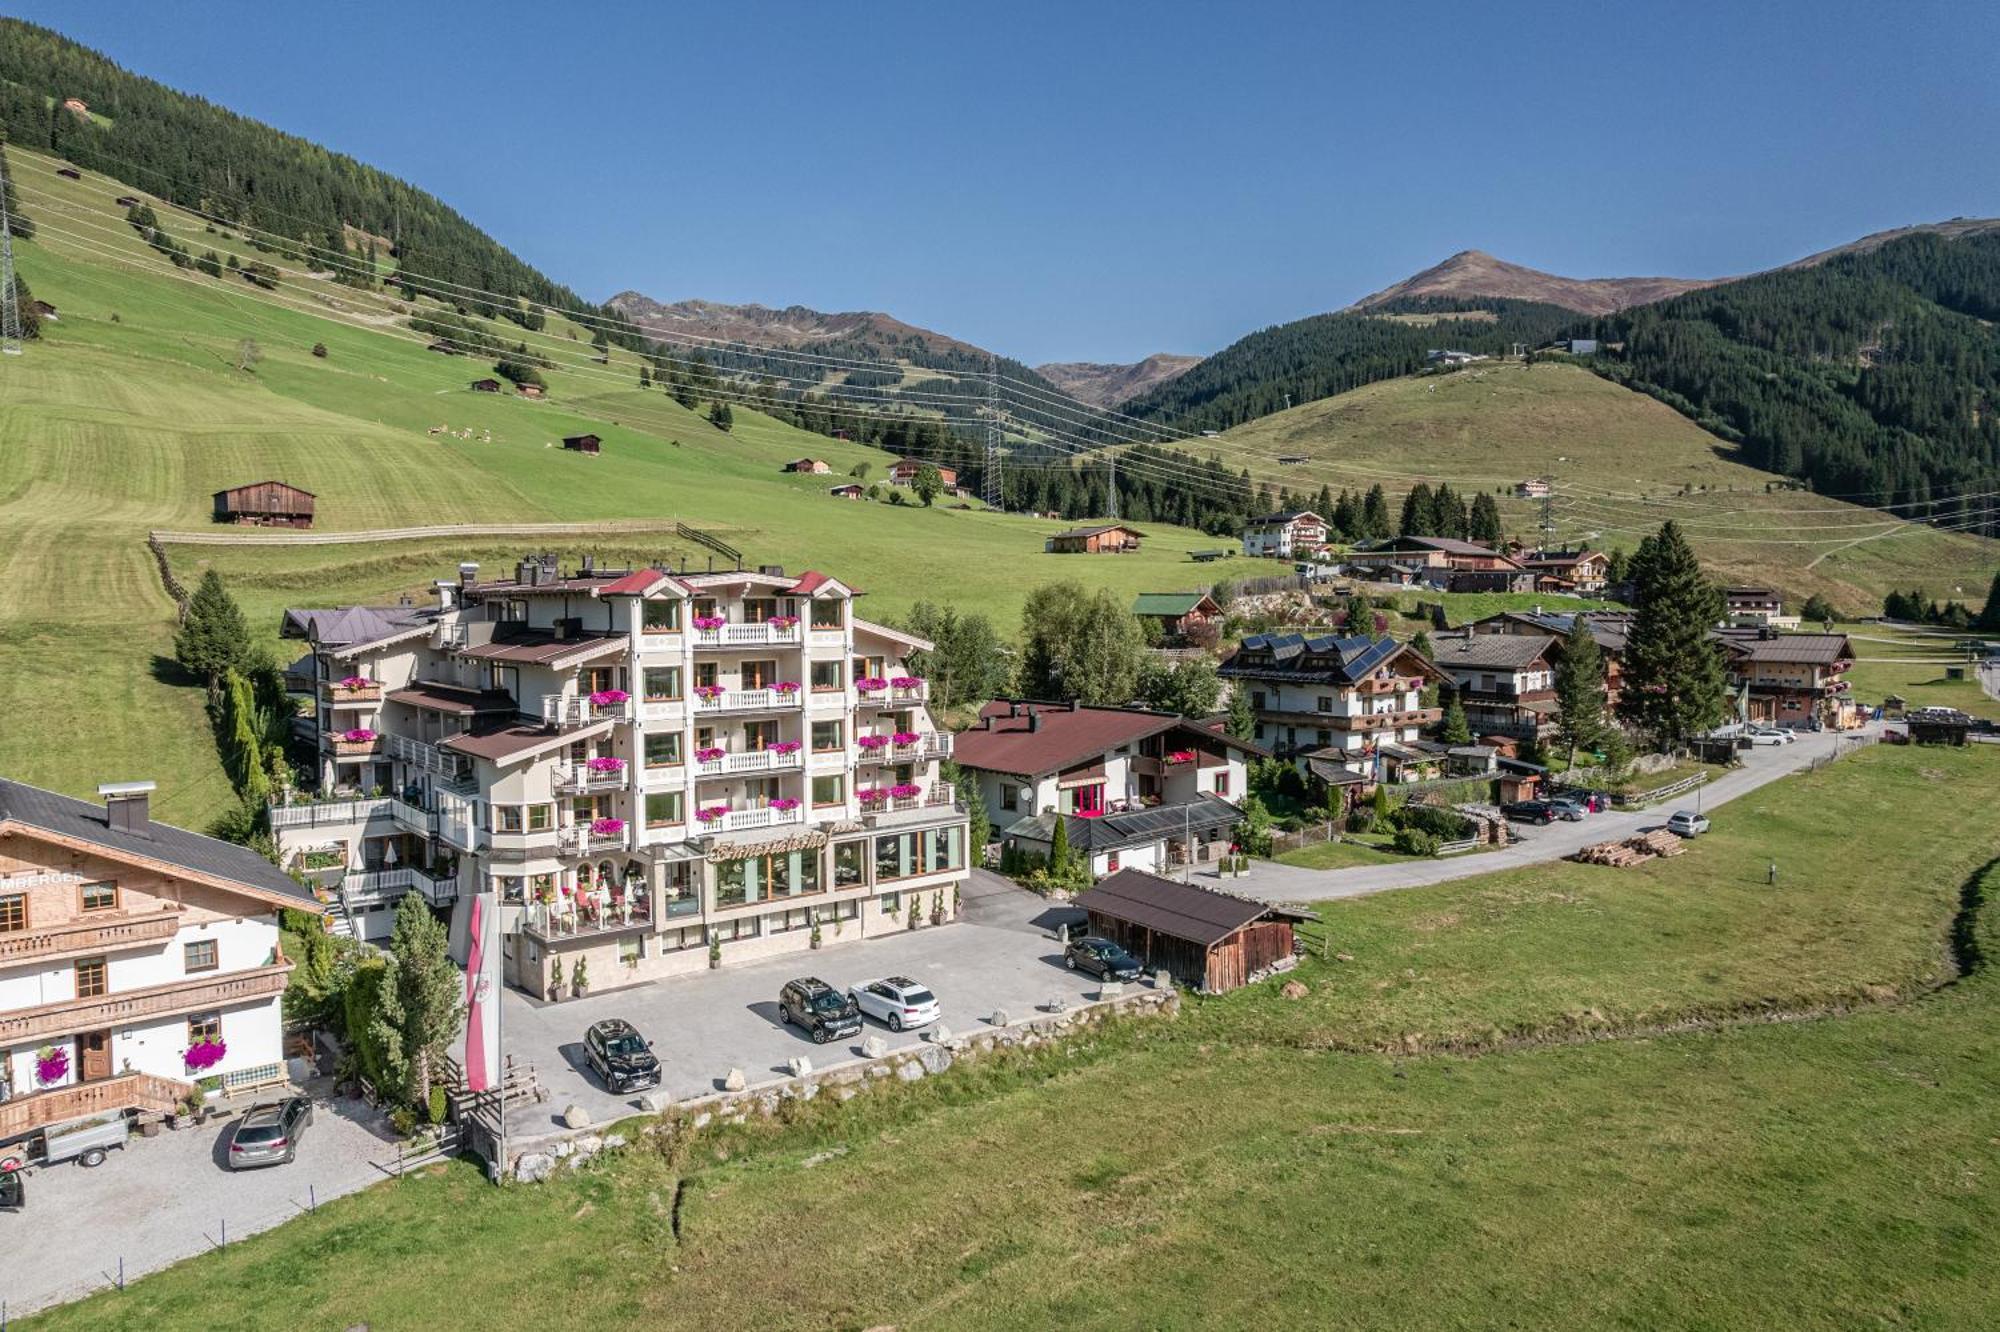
(214, 637)
(1989, 615)
(1242, 724)
(428, 989)
(1455, 730)
(1419, 518)
(1483, 523)
(1579, 683)
(1674, 681)
(1375, 514)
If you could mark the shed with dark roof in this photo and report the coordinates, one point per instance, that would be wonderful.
(265, 504)
(1213, 940)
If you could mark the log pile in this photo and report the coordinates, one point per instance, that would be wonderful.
(1632, 851)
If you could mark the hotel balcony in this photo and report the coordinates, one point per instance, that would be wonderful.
(925, 749)
(59, 1105)
(581, 840)
(893, 695)
(746, 700)
(124, 1007)
(342, 748)
(941, 801)
(578, 710)
(340, 696)
(745, 820)
(767, 634)
(99, 933)
(582, 779)
(548, 926)
(752, 762)
(1388, 721)
(379, 886)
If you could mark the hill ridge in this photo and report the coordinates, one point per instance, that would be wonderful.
(1476, 273)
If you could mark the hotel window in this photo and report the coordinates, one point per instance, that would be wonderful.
(507, 818)
(1326, 702)
(756, 610)
(826, 676)
(849, 864)
(509, 887)
(830, 789)
(13, 912)
(733, 886)
(631, 949)
(759, 674)
(828, 735)
(92, 979)
(204, 1027)
(890, 901)
(736, 927)
(541, 818)
(663, 750)
(705, 608)
(199, 955)
(828, 614)
(663, 683)
(870, 668)
(1010, 796)
(705, 674)
(663, 808)
(99, 896)
(940, 850)
(690, 936)
(661, 617)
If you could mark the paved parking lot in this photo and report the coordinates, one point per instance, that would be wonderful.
(1000, 953)
(171, 1197)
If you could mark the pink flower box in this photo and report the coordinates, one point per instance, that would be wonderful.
(905, 791)
(784, 804)
(871, 795)
(1181, 756)
(606, 765)
(51, 1064)
(786, 747)
(360, 735)
(871, 741)
(787, 686)
(607, 698)
(783, 621)
(710, 813)
(904, 738)
(872, 684)
(357, 682)
(708, 691)
(606, 827)
(708, 622)
(204, 1055)
(907, 682)
(709, 754)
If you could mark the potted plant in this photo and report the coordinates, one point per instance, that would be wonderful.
(51, 1065)
(815, 932)
(937, 908)
(204, 1055)
(714, 954)
(555, 979)
(579, 979)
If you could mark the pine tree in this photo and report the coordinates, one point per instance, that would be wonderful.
(428, 989)
(214, 637)
(1059, 847)
(1818, 610)
(1242, 724)
(1346, 517)
(1375, 514)
(1580, 690)
(720, 416)
(1419, 518)
(1455, 730)
(1674, 683)
(1989, 615)
(1483, 523)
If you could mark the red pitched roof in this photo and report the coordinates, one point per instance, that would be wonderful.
(1001, 743)
(812, 580)
(637, 583)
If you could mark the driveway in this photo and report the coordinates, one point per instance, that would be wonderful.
(171, 1197)
(1000, 954)
(1273, 882)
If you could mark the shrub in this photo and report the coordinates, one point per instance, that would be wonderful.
(403, 1120)
(1361, 820)
(1446, 825)
(1415, 842)
(437, 1105)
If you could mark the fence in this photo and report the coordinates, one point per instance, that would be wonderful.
(264, 536)
(1845, 745)
(1639, 799)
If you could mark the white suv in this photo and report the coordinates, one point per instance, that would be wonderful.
(896, 1000)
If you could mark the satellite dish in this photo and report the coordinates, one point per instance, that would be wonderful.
(1025, 794)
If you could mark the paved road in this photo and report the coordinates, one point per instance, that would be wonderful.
(167, 1198)
(1001, 953)
(1273, 882)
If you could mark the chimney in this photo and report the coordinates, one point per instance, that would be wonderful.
(468, 574)
(1034, 719)
(1013, 707)
(589, 563)
(128, 807)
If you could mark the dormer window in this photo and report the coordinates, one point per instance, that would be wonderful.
(661, 617)
(829, 613)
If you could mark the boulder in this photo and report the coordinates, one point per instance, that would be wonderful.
(703, 1119)
(653, 1102)
(1163, 979)
(878, 1070)
(1056, 1004)
(938, 1034)
(589, 1144)
(1001, 1017)
(563, 1148)
(799, 1065)
(934, 1058)
(1110, 990)
(1294, 990)
(735, 1082)
(576, 1117)
(613, 1141)
(911, 1071)
(810, 1090)
(534, 1167)
(874, 1047)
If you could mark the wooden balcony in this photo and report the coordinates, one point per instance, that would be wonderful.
(1388, 721)
(129, 1091)
(89, 936)
(64, 1018)
(341, 696)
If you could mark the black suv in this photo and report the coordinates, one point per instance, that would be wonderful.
(825, 1013)
(621, 1056)
(1102, 958)
(1531, 811)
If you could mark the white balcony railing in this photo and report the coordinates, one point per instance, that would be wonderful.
(748, 636)
(427, 757)
(748, 700)
(757, 760)
(894, 696)
(580, 840)
(380, 886)
(325, 813)
(576, 710)
(924, 749)
(413, 818)
(743, 820)
(582, 779)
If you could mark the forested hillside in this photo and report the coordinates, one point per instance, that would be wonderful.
(1327, 354)
(1875, 373)
(334, 209)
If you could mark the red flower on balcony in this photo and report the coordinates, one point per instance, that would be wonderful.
(360, 735)
(357, 682)
(871, 741)
(608, 698)
(906, 682)
(905, 791)
(708, 691)
(786, 747)
(871, 684)
(710, 813)
(709, 753)
(1181, 756)
(783, 621)
(606, 767)
(51, 1064)
(784, 804)
(786, 686)
(905, 738)
(606, 827)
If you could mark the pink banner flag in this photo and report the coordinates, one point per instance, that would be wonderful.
(481, 1051)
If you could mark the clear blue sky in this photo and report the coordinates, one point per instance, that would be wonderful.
(1076, 181)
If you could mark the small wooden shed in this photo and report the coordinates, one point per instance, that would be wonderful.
(485, 386)
(265, 504)
(1212, 940)
(1103, 539)
(810, 466)
(582, 443)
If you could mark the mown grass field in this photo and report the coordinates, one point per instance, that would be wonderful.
(1912, 663)
(1607, 447)
(133, 410)
(1272, 1162)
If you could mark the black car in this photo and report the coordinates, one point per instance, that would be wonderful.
(823, 1011)
(1102, 958)
(13, 1189)
(621, 1056)
(1530, 811)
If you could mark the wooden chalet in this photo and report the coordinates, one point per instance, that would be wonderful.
(582, 443)
(850, 491)
(265, 504)
(1177, 614)
(530, 390)
(809, 466)
(485, 386)
(1104, 539)
(128, 201)
(69, 173)
(1210, 940)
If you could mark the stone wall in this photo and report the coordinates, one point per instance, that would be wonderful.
(534, 1159)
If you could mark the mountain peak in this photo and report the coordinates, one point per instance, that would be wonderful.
(1476, 275)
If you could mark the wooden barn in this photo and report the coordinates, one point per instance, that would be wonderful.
(1104, 539)
(582, 443)
(69, 173)
(1210, 940)
(265, 504)
(810, 466)
(529, 390)
(485, 386)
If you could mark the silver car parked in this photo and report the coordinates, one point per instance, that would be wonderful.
(269, 1134)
